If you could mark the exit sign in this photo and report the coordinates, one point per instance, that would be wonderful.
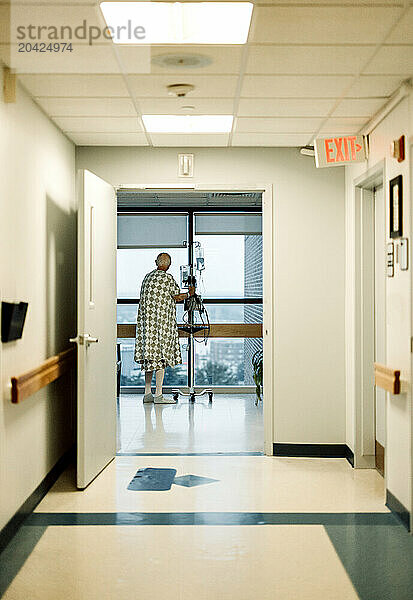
(340, 150)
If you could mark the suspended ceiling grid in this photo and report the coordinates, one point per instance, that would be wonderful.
(308, 68)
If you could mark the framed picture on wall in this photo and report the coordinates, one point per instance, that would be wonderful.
(396, 207)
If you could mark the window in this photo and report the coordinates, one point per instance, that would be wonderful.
(134, 264)
(232, 249)
(223, 362)
(131, 374)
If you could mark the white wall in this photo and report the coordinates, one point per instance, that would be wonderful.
(308, 268)
(37, 247)
(398, 302)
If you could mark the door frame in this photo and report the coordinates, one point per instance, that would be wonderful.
(364, 397)
(268, 281)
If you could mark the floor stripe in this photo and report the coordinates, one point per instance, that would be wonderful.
(210, 518)
(17, 552)
(378, 560)
(190, 454)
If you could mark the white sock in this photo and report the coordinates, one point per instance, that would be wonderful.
(159, 375)
(148, 380)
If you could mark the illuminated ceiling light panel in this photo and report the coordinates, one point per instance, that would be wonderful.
(188, 123)
(178, 22)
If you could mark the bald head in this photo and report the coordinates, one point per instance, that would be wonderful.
(163, 261)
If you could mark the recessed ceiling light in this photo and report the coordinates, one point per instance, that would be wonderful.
(178, 22)
(188, 123)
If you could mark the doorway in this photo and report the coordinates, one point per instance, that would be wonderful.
(379, 323)
(219, 235)
(370, 322)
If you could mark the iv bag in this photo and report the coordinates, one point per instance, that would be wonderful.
(199, 257)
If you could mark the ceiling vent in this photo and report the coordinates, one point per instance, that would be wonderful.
(181, 61)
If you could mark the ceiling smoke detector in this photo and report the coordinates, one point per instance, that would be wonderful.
(180, 90)
(181, 61)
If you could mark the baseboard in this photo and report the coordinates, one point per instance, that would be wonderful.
(314, 451)
(10, 529)
(379, 458)
(398, 509)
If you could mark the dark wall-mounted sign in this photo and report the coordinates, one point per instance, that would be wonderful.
(396, 207)
(13, 316)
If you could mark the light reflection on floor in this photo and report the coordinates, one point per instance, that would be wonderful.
(232, 423)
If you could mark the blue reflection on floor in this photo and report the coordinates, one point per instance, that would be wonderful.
(193, 480)
(378, 559)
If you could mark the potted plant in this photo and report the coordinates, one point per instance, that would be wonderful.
(257, 365)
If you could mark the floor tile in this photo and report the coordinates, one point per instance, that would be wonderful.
(231, 423)
(183, 563)
(247, 483)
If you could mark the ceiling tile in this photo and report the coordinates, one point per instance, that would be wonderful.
(345, 126)
(87, 107)
(80, 20)
(193, 140)
(403, 33)
(269, 139)
(325, 25)
(174, 106)
(326, 2)
(55, 2)
(307, 59)
(75, 85)
(206, 86)
(374, 86)
(395, 60)
(298, 86)
(108, 139)
(361, 107)
(283, 107)
(224, 59)
(83, 59)
(99, 124)
(271, 125)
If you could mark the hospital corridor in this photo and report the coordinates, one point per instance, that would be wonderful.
(206, 300)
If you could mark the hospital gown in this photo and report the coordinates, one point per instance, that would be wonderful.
(157, 342)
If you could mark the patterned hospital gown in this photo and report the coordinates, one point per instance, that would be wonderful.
(157, 343)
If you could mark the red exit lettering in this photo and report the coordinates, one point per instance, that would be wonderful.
(339, 149)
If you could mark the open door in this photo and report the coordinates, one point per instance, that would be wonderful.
(96, 337)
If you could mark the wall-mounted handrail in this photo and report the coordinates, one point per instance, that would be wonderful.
(218, 330)
(32, 381)
(387, 379)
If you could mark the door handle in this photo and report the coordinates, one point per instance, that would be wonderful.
(84, 340)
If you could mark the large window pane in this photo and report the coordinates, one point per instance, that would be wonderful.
(223, 276)
(134, 264)
(131, 374)
(127, 313)
(152, 230)
(230, 223)
(233, 313)
(224, 362)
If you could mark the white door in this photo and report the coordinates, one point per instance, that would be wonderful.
(96, 336)
(380, 309)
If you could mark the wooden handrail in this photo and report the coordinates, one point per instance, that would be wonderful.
(387, 379)
(224, 330)
(32, 381)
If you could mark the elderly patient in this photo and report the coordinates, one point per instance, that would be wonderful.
(157, 343)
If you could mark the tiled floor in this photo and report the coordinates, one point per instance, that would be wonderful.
(266, 528)
(230, 423)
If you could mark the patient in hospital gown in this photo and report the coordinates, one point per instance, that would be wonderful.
(157, 342)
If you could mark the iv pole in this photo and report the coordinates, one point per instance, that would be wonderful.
(191, 329)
